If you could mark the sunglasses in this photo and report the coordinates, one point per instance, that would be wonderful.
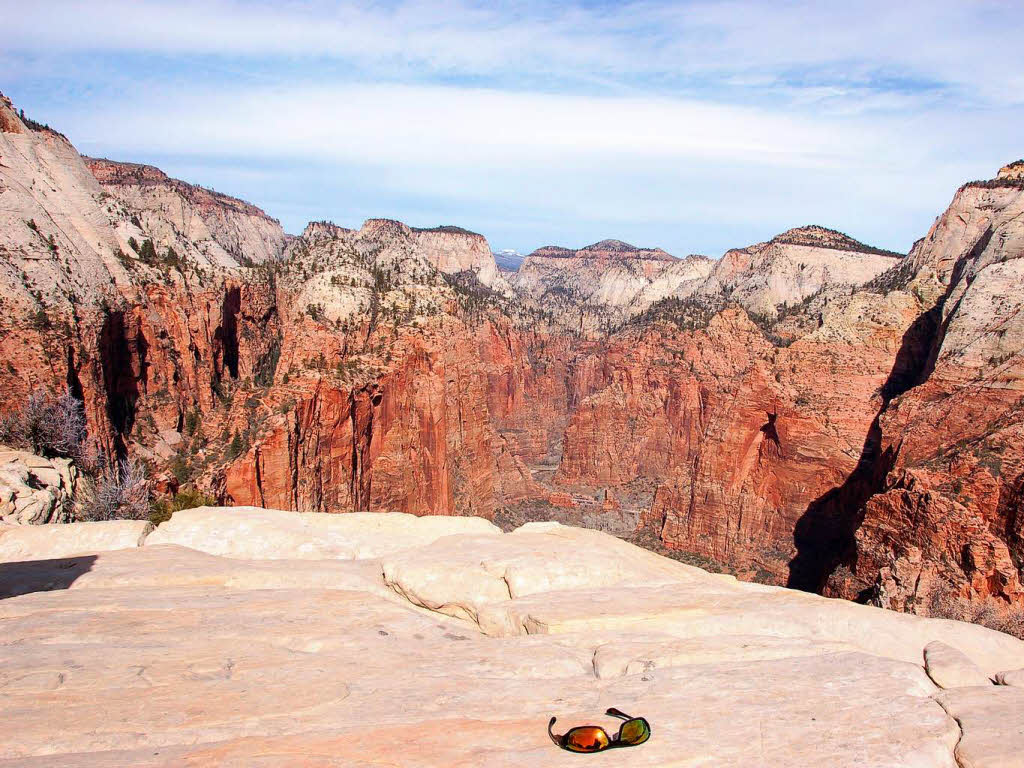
(594, 738)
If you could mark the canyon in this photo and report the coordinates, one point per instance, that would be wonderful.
(809, 411)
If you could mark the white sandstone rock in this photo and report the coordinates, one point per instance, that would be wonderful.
(44, 542)
(164, 655)
(950, 668)
(992, 721)
(271, 534)
(35, 490)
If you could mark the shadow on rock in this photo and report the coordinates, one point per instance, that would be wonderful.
(825, 535)
(22, 578)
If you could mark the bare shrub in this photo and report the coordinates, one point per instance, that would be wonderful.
(9, 432)
(91, 458)
(52, 425)
(990, 612)
(65, 425)
(47, 425)
(1012, 622)
(119, 493)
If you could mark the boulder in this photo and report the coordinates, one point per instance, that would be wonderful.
(950, 668)
(35, 490)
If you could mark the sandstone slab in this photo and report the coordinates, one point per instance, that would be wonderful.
(165, 655)
(42, 542)
(950, 668)
(256, 533)
(550, 579)
(992, 721)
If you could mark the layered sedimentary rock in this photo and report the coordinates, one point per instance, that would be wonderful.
(223, 229)
(809, 410)
(106, 291)
(448, 249)
(59, 243)
(947, 513)
(794, 266)
(739, 442)
(160, 654)
(606, 282)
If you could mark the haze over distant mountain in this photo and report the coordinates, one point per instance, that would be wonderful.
(508, 259)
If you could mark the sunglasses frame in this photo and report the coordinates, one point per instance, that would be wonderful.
(563, 739)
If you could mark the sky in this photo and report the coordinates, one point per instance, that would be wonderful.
(691, 126)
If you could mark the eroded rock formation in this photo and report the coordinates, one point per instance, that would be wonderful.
(809, 410)
(35, 490)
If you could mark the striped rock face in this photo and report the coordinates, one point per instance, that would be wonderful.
(809, 410)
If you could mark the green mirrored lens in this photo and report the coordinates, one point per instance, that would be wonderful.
(635, 731)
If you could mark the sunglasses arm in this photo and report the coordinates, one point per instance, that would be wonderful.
(551, 733)
(618, 713)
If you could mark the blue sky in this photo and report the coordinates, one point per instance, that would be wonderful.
(693, 126)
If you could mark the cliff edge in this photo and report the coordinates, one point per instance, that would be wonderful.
(247, 636)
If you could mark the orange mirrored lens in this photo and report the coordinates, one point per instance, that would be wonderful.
(588, 738)
(635, 731)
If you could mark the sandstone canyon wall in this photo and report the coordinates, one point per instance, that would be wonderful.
(809, 410)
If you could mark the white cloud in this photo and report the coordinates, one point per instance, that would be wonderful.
(972, 47)
(438, 126)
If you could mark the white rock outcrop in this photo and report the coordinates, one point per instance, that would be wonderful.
(205, 225)
(991, 739)
(610, 275)
(35, 490)
(271, 534)
(950, 668)
(793, 266)
(46, 542)
(456, 651)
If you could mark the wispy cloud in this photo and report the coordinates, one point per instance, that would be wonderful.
(432, 125)
(693, 125)
(970, 46)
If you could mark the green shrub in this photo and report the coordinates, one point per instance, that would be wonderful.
(192, 422)
(180, 469)
(237, 447)
(186, 498)
(148, 252)
(125, 260)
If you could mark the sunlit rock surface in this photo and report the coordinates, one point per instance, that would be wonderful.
(39, 542)
(35, 490)
(456, 651)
